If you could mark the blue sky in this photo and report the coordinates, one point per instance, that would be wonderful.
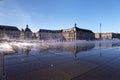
(61, 14)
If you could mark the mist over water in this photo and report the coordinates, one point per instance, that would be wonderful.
(13, 47)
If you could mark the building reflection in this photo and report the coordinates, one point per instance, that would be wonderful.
(107, 44)
(77, 48)
(26, 50)
(17, 50)
(73, 48)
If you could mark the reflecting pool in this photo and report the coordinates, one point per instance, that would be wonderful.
(89, 60)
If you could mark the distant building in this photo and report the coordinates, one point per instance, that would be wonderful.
(34, 37)
(74, 33)
(22, 34)
(9, 32)
(107, 36)
(26, 34)
(43, 34)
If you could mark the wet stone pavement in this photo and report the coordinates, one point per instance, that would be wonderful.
(89, 62)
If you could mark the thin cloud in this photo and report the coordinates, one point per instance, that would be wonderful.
(13, 14)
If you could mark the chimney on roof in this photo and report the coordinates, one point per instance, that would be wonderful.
(22, 29)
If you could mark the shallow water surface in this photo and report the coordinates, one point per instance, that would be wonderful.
(65, 61)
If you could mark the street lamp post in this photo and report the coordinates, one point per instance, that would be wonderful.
(100, 39)
(3, 67)
(100, 31)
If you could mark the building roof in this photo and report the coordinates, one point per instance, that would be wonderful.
(27, 29)
(6, 27)
(85, 30)
(52, 31)
(80, 29)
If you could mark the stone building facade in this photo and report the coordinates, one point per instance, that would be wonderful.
(107, 35)
(44, 34)
(74, 33)
(26, 34)
(9, 32)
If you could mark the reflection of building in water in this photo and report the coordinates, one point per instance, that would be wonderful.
(26, 50)
(8, 53)
(76, 48)
(107, 44)
(15, 48)
(9, 32)
(74, 33)
(107, 35)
